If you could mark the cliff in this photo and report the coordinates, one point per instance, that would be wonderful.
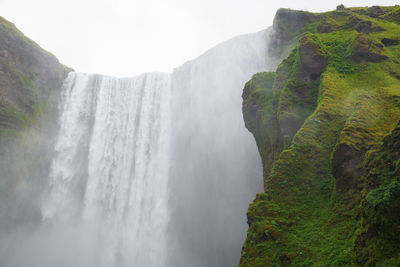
(30, 83)
(29, 78)
(326, 126)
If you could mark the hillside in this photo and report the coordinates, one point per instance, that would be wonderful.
(326, 126)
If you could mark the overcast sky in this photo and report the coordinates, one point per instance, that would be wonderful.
(129, 37)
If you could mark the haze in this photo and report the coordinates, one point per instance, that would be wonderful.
(126, 38)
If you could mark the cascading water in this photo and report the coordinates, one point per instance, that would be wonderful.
(151, 171)
(110, 169)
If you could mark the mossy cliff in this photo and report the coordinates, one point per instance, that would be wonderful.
(326, 126)
(30, 83)
(29, 78)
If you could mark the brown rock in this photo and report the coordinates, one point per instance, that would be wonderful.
(375, 11)
(340, 8)
(390, 42)
(366, 51)
(312, 62)
(346, 167)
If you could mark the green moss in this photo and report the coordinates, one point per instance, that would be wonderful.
(380, 202)
(393, 15)
(12, 119)
(304, 218)
(259, 104)
(15, 115)
(338, 51)
(8, 132)
(27, 82)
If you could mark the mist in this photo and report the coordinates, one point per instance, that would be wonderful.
(153, 170)
(216, 168)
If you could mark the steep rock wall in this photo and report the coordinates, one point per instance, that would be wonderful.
(325, 125)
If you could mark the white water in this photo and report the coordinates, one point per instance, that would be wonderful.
(110, 169)
(155, 170)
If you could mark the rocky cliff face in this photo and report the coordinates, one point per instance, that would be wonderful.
(326, 125)
(30, 82)
(29, 78)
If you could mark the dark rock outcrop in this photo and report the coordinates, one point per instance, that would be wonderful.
(366, 50)
(346, 167)
(363, 26)
(390, 42)
(311, 60)
(286, 24)
(373, 12)
(340, 7)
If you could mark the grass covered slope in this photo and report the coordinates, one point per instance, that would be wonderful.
(326, 127)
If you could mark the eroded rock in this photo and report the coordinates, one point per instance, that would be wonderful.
(312, 62)
(390, 42)
(346, 167)
(365, 50)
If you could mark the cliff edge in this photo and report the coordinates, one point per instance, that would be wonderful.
(29, 78)
(326, 126)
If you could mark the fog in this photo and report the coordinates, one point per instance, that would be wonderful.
(216, 169)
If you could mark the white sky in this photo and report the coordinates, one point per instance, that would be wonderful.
(129, 37)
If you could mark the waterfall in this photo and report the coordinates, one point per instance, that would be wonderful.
(110, 169)
(151, 171)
